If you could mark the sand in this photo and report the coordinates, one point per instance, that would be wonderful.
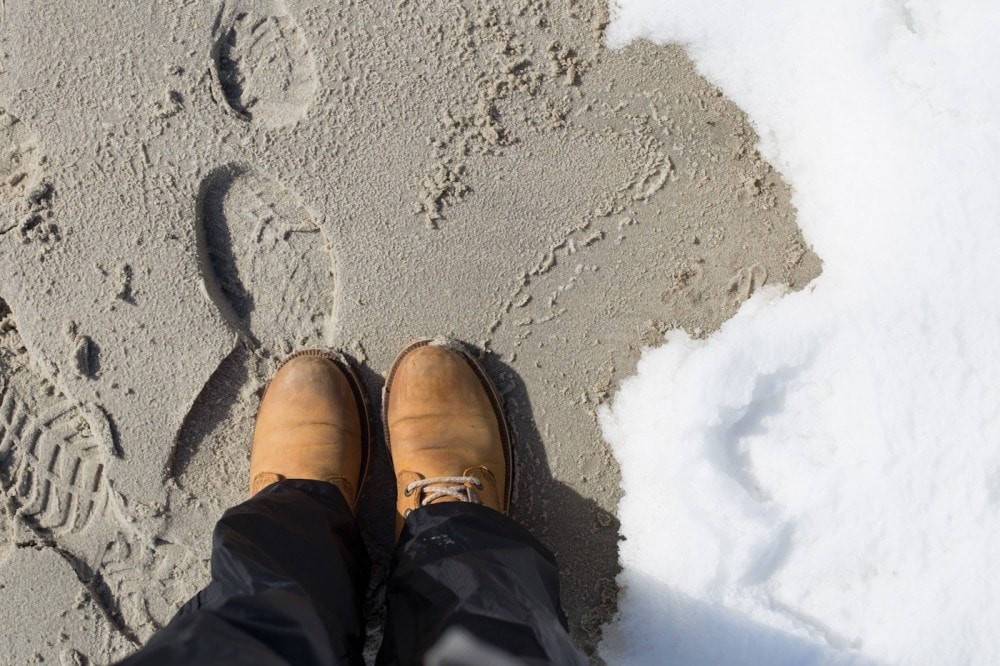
(190, 192)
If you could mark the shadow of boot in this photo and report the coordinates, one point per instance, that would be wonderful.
(582, 535)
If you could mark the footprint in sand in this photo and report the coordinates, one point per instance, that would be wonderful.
(265, 262)
(262, 63)
(53, 451)
(268, 267)
(55, 456)
(50, 464)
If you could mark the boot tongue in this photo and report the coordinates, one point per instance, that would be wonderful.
(263, 480)
(345, 486)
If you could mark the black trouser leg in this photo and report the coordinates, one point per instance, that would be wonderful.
(468, 571)
(289, 574)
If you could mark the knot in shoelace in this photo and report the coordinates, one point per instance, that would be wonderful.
(459, 487)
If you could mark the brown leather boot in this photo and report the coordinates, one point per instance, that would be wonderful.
(447, 436)
(313, 423)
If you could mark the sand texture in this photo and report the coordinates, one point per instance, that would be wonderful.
(189, 191)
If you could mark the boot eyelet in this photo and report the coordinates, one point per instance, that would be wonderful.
(477, 483)
(407, 491)
(407, 513)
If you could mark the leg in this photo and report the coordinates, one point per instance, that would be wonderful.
(289, 570)
(467, 579)
(289, 574)
(464, 571)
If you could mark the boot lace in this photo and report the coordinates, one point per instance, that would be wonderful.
(459, 487)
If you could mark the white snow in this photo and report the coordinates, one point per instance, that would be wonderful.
(819, 481)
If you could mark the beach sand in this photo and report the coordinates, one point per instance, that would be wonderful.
(189, 191)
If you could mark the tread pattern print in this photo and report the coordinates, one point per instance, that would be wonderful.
(50, 465)
(265, 261)
(262, 63)
(53, 451)
(55, 456)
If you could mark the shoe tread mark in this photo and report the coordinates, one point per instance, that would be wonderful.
(263, 64)
(265, 261)
(49, 463)
(54, 456)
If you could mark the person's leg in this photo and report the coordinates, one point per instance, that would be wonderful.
(289, 574)
(468, 567)
(467, 579)
(289, 569)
